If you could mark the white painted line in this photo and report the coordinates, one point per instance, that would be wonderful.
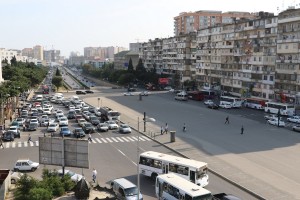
(25, 144)
(103, 140)
(19, 144)
(134, 138)
(89, 142)
(146, 138)
(121, 152)
(7, 145)
(94, 141)
(99, 141)
(13, 145)
(109, 140)
(141, 139)
(123, 138)
(119, 139)
(114, 139)
(129, 138)
(37, 143)
(31, 144)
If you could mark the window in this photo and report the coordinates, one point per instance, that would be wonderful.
(265, 77)
(271, 78)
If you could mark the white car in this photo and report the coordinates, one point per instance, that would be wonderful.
(81, 122)
(15, 177)
(26, 165)
(34, 121)
(295, 119)
(102, 127)
(53, 127)
(71, 107)
(208, 102)
(124, 128)
(43, 117)
(112, 125)
(275, 122)
(20, 121)
(85, 107)
(60, 116)
(38, 108)
(97, 112)
(47, 111)
(63, 121)
(128, 94)
(74, 177)
(225, 105)
(59, 112)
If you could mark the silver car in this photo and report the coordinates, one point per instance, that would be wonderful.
(296, 128)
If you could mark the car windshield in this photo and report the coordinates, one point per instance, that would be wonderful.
(20, 119)
(93, 118)
(64, 129)
(131, 191)
(52, 125)
(88, 125)
(12, 128)
(125, 126)
(30, 162)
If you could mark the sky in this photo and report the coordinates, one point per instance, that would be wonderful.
(71, 25)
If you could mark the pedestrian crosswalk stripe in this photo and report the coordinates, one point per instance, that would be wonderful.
(37, 143)
(123, 138)
(130, 139)
(109, 140)
(146, 138)
(114, 139)
(19, 144)
(119, 139)
(93, 141)
(141, 139)
(13, 145)
(103, 140)
(25, 144)
(7, 145)
(99, 141)
(135, 138)
(31, 144)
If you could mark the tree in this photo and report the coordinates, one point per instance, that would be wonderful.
(126, 79)
(24, 185)
(40, 193)
(57, 72)
(57, 81)
(130, 66)
(13, 61)
(140, 67)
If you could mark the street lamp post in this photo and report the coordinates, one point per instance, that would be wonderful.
(98, 102)
(138, 148)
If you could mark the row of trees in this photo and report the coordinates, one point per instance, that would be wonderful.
(139, 75)
(20, 77)
(57, 80)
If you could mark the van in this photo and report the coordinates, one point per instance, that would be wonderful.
(74, 98)
(182, 96)
(125, 190)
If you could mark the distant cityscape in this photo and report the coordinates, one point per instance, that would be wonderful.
(246, 54)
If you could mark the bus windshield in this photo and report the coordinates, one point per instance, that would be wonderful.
(131, 191)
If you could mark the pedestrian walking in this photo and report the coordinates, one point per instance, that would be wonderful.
(94, 175)
(184, 127)
(242, 130)
(29, 138)
(227, 120)
(166, 128)
(161, 130)
(90, 138)
(10, 118)
(24, 127)
(1, 144)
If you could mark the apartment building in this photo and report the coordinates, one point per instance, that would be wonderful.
(28, 52)
(38, 52)
(52, 56)
(102, 52)
(287, 78)
(188, 22)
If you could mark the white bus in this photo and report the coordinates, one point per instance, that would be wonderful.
(285, 109)
(235, 102)
(255, 103)
(154, 163)
(173, 187)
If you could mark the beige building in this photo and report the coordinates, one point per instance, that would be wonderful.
(121, 59)
(188, 22)
(28, 52)
(38, 52)
(102, 52)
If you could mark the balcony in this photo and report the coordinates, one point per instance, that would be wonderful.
(290, 19)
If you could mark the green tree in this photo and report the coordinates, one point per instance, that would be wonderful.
(57, 72)
(130, 66)
(13, 61)
(24, 185)
(125, 79)
(140, 67)
(40, 193)
(57, 81)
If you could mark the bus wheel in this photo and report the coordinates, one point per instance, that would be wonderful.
(153, 176)
(268, 111)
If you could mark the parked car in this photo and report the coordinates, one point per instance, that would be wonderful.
(20, 121)
(47, 111)
(207, 102)
(85, 107)
(88, 128)
(102, 127)
(15, 177)
(225, 105)
(53, 127)
(112, 125)
(94, 120)
(295, 119)
(275, 122)
(32, 127)
(89, 91)
(80, 92)
(77, 117)
(296, 128)
(78, 133)
(74, 177)
(124, 128)
(212, 105)
(65, 131)
(26, 165)
(63, 121)
(81, 122)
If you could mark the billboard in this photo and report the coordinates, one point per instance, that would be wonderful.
(163, 81)
(63, 152)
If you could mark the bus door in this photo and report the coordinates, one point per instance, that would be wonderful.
(192, 176)
(165, 168)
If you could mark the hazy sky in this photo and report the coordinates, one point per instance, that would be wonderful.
(71, 25)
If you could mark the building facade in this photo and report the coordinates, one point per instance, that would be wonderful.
(247, 58)
(38, 52)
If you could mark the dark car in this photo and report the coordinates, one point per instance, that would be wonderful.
(78, 133)
(65, 131)
(71, 115)
(88, 128)
(212, 106)
(94, 120)
(89, 92)
(131, 89)
(32, 127)
(8, 136)
(80, 92)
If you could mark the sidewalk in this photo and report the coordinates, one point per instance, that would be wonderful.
(243, 172)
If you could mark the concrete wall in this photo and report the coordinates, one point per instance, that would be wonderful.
(4, 182)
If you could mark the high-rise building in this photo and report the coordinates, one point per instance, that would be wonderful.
(38, 52)
(52, 56)
(188, 22)
(28, 52)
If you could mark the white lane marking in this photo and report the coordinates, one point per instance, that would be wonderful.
(114, 139)
(103, 140)
(7, 145)
(99, 141)
(123, 138)
(19, 144)
(121, 152)
(134, 138)
(31, 144)
(130, 139)
(25, 144)
(93, 141)
(13, 145)
(109, 140)
(37, 143)
(141, 139)
(146, 138)
(119, 139)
